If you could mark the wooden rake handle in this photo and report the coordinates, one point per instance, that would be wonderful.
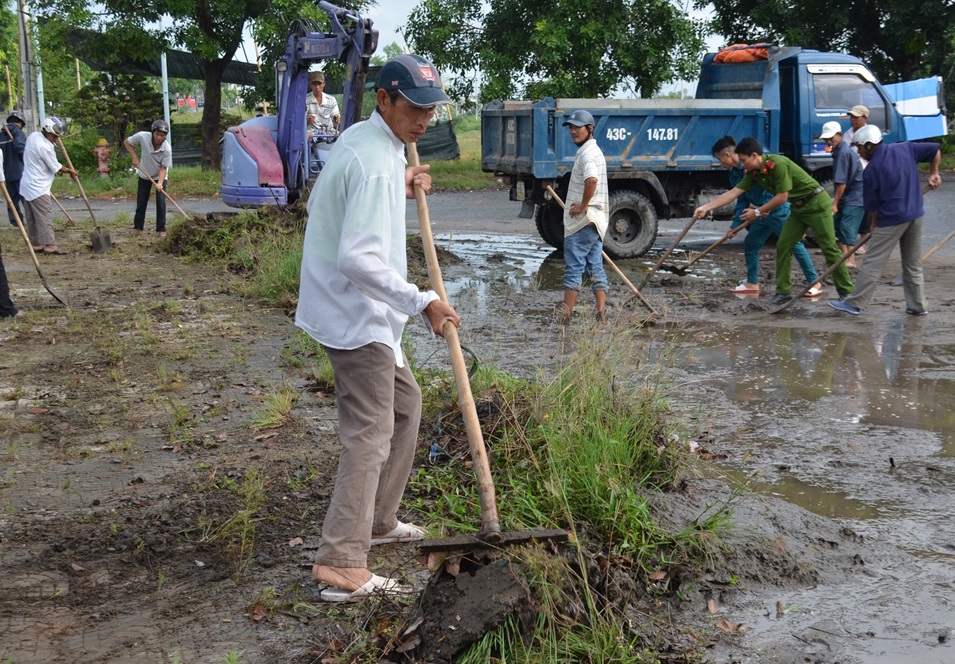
(743, 226)
(76, 178)
(611, 263)
(490, 524)
(26, 238)
(164, 192)
(666, 254)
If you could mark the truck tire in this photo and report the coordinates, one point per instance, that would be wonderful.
(550, 224)
(633, 225)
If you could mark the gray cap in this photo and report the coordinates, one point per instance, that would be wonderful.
(579, 119)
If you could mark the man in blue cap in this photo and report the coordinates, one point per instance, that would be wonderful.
(586, 216)
(354, 299)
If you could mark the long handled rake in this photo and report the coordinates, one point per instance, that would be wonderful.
(682, 271)
(164, 192)
(490, 533)
(666, 254)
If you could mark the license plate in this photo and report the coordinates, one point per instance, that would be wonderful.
(521, 193)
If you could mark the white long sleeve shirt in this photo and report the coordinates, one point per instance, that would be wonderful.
(40, 166)
(354, 287)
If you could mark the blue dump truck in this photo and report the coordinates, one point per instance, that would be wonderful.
(658, 150)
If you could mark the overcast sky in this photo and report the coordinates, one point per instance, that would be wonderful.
(387, 16)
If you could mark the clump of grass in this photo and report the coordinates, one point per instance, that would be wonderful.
(276, 410)
(578, 450)
(264, 247)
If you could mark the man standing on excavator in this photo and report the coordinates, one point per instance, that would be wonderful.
(354, 299)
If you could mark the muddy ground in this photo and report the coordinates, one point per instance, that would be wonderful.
(135, 449)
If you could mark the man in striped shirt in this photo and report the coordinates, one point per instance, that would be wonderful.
(586, 217)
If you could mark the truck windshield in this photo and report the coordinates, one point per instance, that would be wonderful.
(840, 92)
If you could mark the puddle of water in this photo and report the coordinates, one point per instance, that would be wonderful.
(854, 426)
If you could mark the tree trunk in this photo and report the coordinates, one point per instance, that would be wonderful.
(212, 115)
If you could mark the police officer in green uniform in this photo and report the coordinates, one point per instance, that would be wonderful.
(811, 207)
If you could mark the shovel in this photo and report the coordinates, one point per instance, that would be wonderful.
(163, 192)
(99, 237)
(611, 263)
(490, 533)
(683, 271)
(26, 238)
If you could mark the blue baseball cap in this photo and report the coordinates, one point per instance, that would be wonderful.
(579, 119)
(415, 78)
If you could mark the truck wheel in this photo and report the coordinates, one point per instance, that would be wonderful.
(633, 225)
(550, 224)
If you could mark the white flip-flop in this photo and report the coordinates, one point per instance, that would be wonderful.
(376, 585)
(403, 532)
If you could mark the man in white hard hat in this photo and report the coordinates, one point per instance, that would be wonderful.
(40, 166)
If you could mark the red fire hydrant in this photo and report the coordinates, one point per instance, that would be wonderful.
(102, 152)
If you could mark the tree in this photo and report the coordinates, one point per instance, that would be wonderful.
(133, 29)
(898, 39)
(9, 53)
(564, 48)
(122, 102)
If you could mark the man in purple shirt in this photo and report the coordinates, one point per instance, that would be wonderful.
(893, 200)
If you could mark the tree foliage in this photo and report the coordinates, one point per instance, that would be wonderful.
(122, 102)
(898, 39)
(561, 48)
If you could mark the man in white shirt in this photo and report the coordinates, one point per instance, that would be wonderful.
(354, 299)
(40, 166)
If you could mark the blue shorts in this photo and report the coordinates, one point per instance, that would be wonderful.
(847, 222)
(583, 251)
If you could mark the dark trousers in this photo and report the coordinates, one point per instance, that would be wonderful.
(7, 308)
(142, 200)
(13, 187)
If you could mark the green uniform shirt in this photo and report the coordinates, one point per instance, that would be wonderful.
(780, 174)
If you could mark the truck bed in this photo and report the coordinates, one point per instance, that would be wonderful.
(521, 137)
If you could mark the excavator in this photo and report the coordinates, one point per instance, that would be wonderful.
(267, 160)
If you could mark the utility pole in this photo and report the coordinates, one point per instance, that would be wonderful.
(24, 35)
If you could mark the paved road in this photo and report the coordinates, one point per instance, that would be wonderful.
(492, 212)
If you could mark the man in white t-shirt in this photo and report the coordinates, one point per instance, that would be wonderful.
(586, 217)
